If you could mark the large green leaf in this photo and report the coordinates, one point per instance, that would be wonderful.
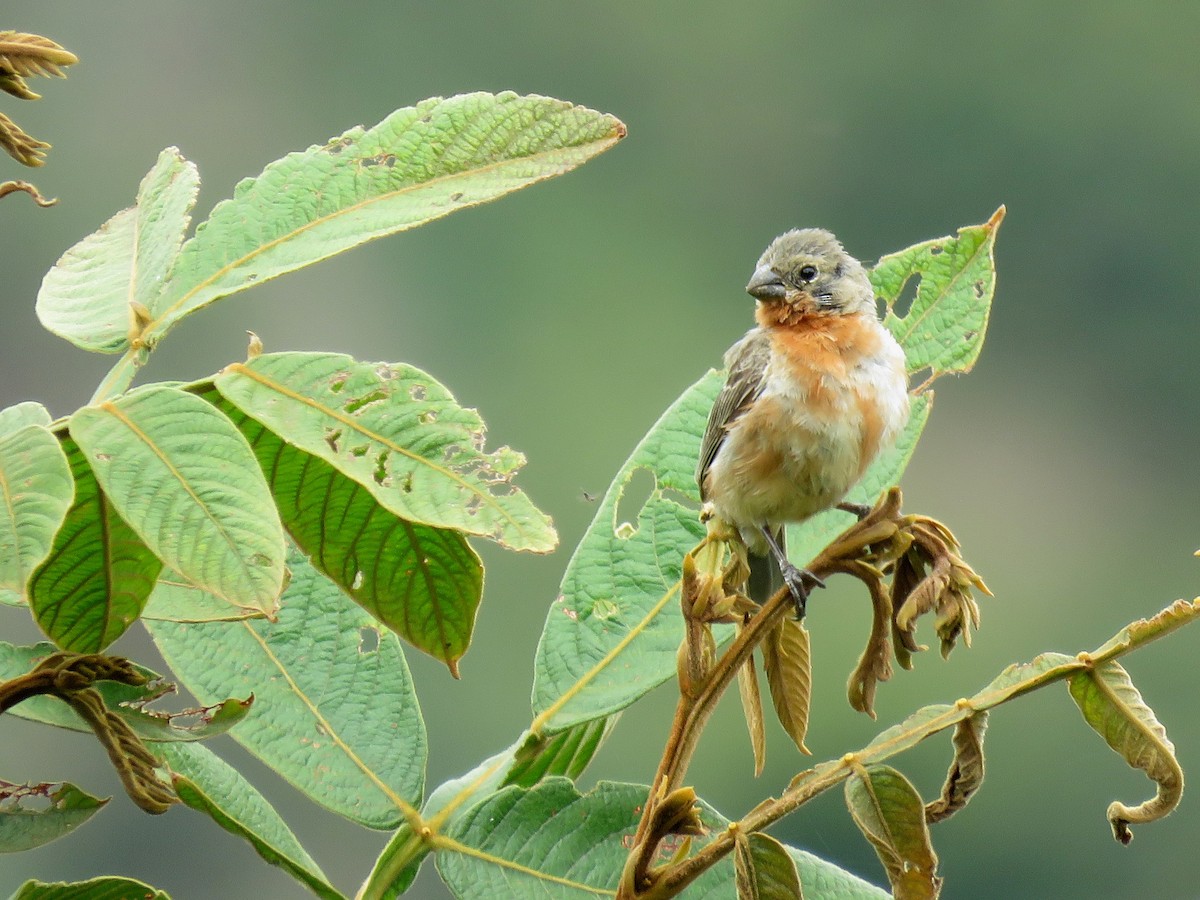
(107, 887)
(35, 814)
(87, 296)
(186, 481)
(613, 632)
(335, 711)
(208, 784)
(525, 763)
(399, 433)
(99, 573)
(130, 702)
(424, 583)
(418, 164)
(28, 412)
(175, 600)
(35, 494)
(551, 841)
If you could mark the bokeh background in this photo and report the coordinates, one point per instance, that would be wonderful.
(573, 313)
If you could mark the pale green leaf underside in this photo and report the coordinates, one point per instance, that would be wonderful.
(86, 297)
(33, 815)
(418, 164)
(554, 842)
(174, 600)
(186, 481)
(208, 784)
(399, 433)
(28, 412)
(125, 700)
(335, 710)
(35, 494)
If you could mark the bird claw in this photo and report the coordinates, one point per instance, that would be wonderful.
(859, 510)
(800, 582)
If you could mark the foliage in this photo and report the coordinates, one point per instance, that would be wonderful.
(281, 527)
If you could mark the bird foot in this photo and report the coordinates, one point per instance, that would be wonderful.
(800, 582)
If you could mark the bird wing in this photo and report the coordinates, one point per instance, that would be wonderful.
(747, 364)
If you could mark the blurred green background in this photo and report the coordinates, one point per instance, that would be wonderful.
(573, 313)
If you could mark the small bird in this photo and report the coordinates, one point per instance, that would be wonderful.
(814, 393)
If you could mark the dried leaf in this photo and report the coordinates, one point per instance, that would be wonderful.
(20, 146)
(11, 187)
(966, 770)
(14, 84)
(763, 869)
(888, 811)
(753, 711)
(32, 54)
(1114, 708)
(874, 665)
(788, 661)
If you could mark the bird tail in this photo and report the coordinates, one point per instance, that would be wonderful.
(765, 578)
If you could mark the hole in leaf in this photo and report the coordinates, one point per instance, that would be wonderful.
(637, 489)
(936, 250)
(418, 392)
(908, 293)
(357, 582)
(337, 382)
(332, 436)
(368, 639)
(428, 417)
(360, 451)
(407, 484)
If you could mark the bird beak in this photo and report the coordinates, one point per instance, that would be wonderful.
(765, 285)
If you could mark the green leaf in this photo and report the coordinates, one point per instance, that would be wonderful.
(397, 432)
(764, 870)
(418, 164)
(174, 600)
(35, 494)
(554, 842)
(186, 481)
(424, 583)
(87, 296)
(592, 661)
(15, 417)
(944, 328)
(55, 811)
(525, 763)
(99, 573)
(1115, 709)
(335, 714)
(108, 887)
(209, 785)
(889, 812)
(128, 701)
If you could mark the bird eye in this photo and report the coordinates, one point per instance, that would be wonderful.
(808, 273)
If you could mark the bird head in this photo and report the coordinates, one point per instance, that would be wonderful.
(807, 271)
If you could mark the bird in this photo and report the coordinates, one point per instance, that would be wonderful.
(815, 392)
